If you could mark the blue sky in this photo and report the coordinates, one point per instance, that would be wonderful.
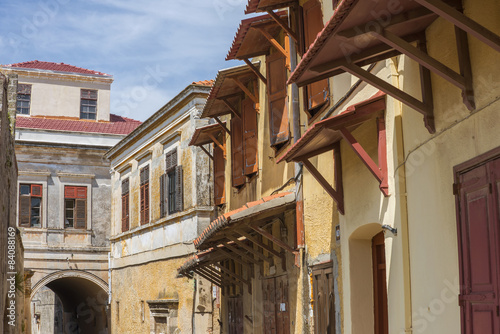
(153, 48)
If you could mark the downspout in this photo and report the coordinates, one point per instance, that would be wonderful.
(400, 178)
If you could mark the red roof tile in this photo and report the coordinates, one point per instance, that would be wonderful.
(252, 6)
(117, 124)
(208, 83)
(49, 66)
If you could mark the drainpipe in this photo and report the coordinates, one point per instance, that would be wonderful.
(400, 178)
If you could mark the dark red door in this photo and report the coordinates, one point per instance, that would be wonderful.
(235, 315)
(381, 316)
(479, 248)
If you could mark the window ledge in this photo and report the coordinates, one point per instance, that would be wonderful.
(163, 221)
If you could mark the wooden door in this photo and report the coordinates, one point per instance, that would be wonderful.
(324, 299)
(282, 305)
(269, 299)
(381, 318)
(235, 315)
(479, 248)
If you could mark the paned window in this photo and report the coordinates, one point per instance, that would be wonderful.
(75, 207)
(30, 205)
(23, 99)
(144, 195)
(171, 186)
(88, 104)
(125, 205)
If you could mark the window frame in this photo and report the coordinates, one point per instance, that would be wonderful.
(171, 185)
(30, 196)
(125, 199)
(77, 199)
(144, 195)
(86, 96)
(23, 90)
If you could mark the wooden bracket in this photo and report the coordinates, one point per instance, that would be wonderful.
(255, 70)
(208, 278)
(336, 194)
(227, 254)
(389, 89)
(231, 107)
(222, 124)
(276, 45)
(241, 253)
(236, 277)
(206, 152)
(265, 247)
(216, 142)
(283, 25)
(426, 87)
(273, 239)
(465, 67)
(248, 248)
(380, 172)
(248, 93)
(463, 22)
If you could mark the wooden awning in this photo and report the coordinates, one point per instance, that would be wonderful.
(238, 235)
(230, 85)
(363, 32)
(325, 136)
(207, 135)
(255, 6)
(255, 36)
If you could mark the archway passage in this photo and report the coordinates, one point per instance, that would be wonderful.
(82, 307)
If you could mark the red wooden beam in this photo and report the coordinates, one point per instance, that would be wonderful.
(222, 124)
(382, 155)
(337, 197)
(255, 71)
(271, 237)
(337, 165)
(282, 24)
(465, 67)
(463, 22)
(206, 152)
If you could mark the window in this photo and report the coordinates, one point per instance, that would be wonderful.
(278, 107)
(171, 186)
(125, 205)
(144, 195)
(243, 143)
(315, 94)
(30, 204)
(23, 99)
(75, 207)
(88, 104)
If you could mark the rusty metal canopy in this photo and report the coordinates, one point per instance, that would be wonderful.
(249, 42)
(204, 135)
(255, 6)
(322, 135)
(225, 87)
(349, 37)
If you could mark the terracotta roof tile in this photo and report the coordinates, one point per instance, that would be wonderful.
(252, 6)
(117, 124)
(50, 66)
(208, 83)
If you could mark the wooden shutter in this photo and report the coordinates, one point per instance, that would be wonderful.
(144, 190)
(125, 212)
(381, 315)
(278, 107)
(219, 176)
(163, 195)
(36, 190)
(171, 160)
(179, 197)
(316, 93)
(479, 249)
(238, 175)
(80, 213)
(24, 211)
(81, 192)
(69, 192)
(249, 115)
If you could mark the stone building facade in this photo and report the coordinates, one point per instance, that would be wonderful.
(161, 202)
(64, 127)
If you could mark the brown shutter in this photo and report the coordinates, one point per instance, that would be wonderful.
(237, 152)
(24, 211)
(316, 93)
(278, 107)
(81, 192)
(219, 176)
(163, 195)
(125, 210)
(142, 203)
(179, 197)
(80, 213)
(324, 299)
(146, 203)
(249, 115)
(381, 315)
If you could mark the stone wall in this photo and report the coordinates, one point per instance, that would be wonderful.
(11, 278)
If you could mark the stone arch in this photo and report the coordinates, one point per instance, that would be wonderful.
(361, 277)
(69, 274)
